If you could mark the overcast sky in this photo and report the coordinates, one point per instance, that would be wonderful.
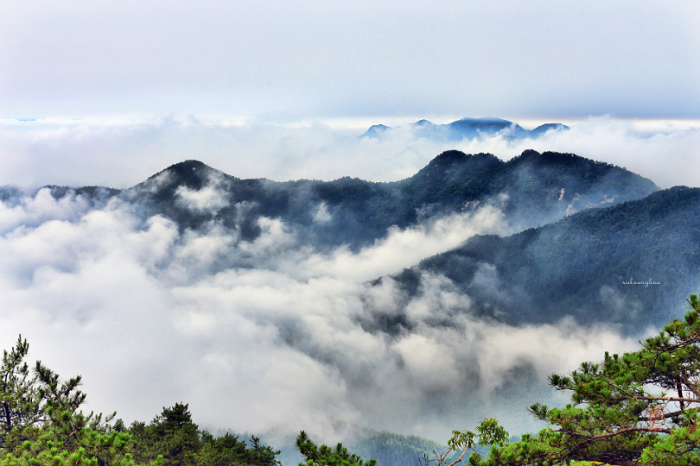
(321, 59)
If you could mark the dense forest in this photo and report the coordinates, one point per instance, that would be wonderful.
(584, 266)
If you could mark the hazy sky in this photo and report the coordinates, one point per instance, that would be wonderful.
(120, 90)
(284, 60)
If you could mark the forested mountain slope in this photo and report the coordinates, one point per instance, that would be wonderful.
(588, 265)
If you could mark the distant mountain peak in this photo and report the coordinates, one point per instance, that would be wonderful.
(375, 131)
(449, 156)
(467, 128)
(191, 173)
(422, 123)
(540, 130)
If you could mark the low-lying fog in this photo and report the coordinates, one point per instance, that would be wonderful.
(150, 316)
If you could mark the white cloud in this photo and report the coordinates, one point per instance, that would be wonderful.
(151, 316)
(40, 208)
(322, 215)
(210, 198)
(400, 248)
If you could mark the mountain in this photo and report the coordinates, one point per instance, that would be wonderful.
(573, 267)
(467, 128)
(632, 265)
(531, 189)
(585, 229)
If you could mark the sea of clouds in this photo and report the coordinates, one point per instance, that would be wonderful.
(269, 336)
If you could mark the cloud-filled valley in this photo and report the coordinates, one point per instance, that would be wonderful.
(261, 330)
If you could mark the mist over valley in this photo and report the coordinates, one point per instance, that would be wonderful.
(414, 306)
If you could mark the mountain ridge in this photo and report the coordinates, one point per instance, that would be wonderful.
(531, 189)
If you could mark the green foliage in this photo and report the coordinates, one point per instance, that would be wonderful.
(488, 433)
(20, 400)
(172, 435)
(640, 408)
(327, 456)
(41, 425)
(223, 451)
(78, 440)
(261, 455)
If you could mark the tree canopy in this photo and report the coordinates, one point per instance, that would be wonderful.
(41, 424)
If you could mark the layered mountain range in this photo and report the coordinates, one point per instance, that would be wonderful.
(581, 235)
(416, 303)
(632, 264)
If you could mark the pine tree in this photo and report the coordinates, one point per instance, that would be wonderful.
(41, 424)
(20, 399)
(641, 408)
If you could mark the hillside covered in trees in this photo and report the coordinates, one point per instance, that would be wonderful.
(629, 264)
